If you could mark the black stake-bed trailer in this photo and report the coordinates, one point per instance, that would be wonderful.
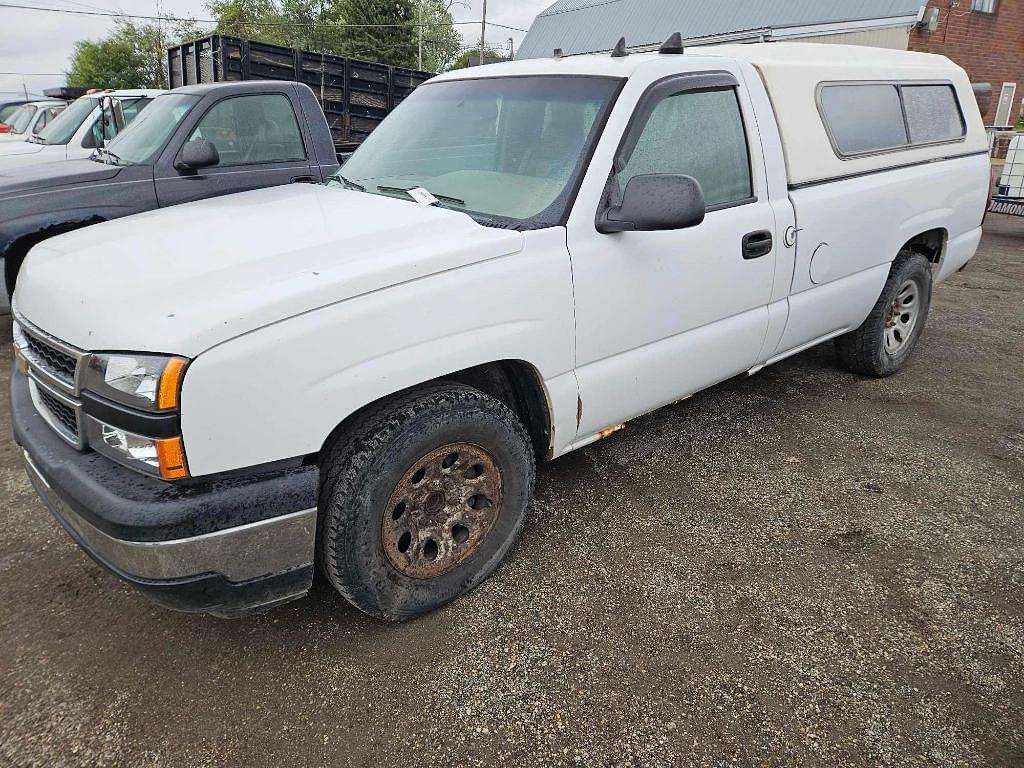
(355, 95)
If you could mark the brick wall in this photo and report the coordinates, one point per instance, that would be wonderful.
(989, 47)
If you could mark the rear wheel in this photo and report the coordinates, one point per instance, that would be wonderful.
(884, 342)
(421, 499)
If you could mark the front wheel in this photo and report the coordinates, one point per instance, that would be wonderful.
(421, 499)
(884, 342)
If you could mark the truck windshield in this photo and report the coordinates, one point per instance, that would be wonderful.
(507, 150)
(146, 135)
(63, 126)
(21, 119)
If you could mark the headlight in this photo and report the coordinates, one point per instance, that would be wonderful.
(160, 458)
(149, 382)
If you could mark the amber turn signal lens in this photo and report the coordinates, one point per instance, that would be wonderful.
(171, 454)
(170, 384)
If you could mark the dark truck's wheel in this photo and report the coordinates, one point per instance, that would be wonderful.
(421, 498)
(884, 342)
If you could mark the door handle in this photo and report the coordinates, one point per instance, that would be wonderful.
(304, 180)
(757, 244)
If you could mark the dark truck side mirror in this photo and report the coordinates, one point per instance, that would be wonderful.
(196, 154)
(656, 202)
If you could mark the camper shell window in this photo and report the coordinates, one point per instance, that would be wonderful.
(876, 117)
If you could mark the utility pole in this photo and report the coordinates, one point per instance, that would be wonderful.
(419, 4)
(483, 34)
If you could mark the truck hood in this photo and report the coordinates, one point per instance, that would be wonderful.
(15, 148)
(18, 154)
(184, 279)
(18, 180)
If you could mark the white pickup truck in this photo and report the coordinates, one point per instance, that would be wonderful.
(213, 398)
(87, 124)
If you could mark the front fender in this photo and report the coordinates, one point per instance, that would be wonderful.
(280, 391)
(44, 224)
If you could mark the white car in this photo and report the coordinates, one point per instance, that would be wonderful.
(29, 119)
(521, 259)
(79, 130)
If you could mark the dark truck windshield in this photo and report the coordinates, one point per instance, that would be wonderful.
(146, 135)
(506, 150)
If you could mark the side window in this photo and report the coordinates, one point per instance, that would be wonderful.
(880, 117)
(699, 134)
(252, 129)
(932, 113)
(45, 117)
(864, 118)
(131, 108)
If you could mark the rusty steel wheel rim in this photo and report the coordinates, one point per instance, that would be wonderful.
(442, 510)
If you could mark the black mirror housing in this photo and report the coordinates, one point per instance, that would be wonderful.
(657, 202)
(197, 154)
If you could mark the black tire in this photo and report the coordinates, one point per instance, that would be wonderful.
(864, 350)
(371, 460)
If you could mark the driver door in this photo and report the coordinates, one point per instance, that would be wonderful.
(661, 315)
(260, 144)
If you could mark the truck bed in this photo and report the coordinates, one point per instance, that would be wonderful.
(354, 95)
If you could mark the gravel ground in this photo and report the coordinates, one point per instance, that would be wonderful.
(801, 568)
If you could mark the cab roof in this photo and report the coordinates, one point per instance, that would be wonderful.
(235, 86)
(843, 61)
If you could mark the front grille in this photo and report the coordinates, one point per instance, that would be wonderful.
(51, 360)
(52, 369)
(62, 413)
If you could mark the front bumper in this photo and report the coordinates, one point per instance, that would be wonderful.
(228, 546)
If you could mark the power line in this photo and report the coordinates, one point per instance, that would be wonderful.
(34, 74)
(254, 23)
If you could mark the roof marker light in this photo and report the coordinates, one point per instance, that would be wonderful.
(674, 45)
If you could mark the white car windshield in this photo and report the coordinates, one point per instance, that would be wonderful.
(21, 119)
(63, 126)
(147, 134)
(508, 150)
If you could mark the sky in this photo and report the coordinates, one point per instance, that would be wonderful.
(38, 45)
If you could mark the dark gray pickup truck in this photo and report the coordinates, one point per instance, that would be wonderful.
(191, 143)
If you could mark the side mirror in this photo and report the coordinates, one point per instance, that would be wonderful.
(89, 140)
(196, 154)
(656, 202)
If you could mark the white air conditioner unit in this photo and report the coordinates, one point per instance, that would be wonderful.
(928, 19)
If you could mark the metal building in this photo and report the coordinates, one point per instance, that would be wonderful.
(592, 26)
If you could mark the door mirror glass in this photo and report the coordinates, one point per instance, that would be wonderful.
(196, 154)
(656, 202)
(89, 141)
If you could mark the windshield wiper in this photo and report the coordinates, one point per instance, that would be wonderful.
(407, 190)
(105, 156)
(348, 184)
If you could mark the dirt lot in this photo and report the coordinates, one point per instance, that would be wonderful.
(801, 568)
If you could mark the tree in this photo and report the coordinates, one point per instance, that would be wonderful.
(252, 19)
(473, 56)
(131, 56)
(381, 30)
(314, 25)
(441, 41)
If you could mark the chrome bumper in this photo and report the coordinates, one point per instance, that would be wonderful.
(240, 554)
